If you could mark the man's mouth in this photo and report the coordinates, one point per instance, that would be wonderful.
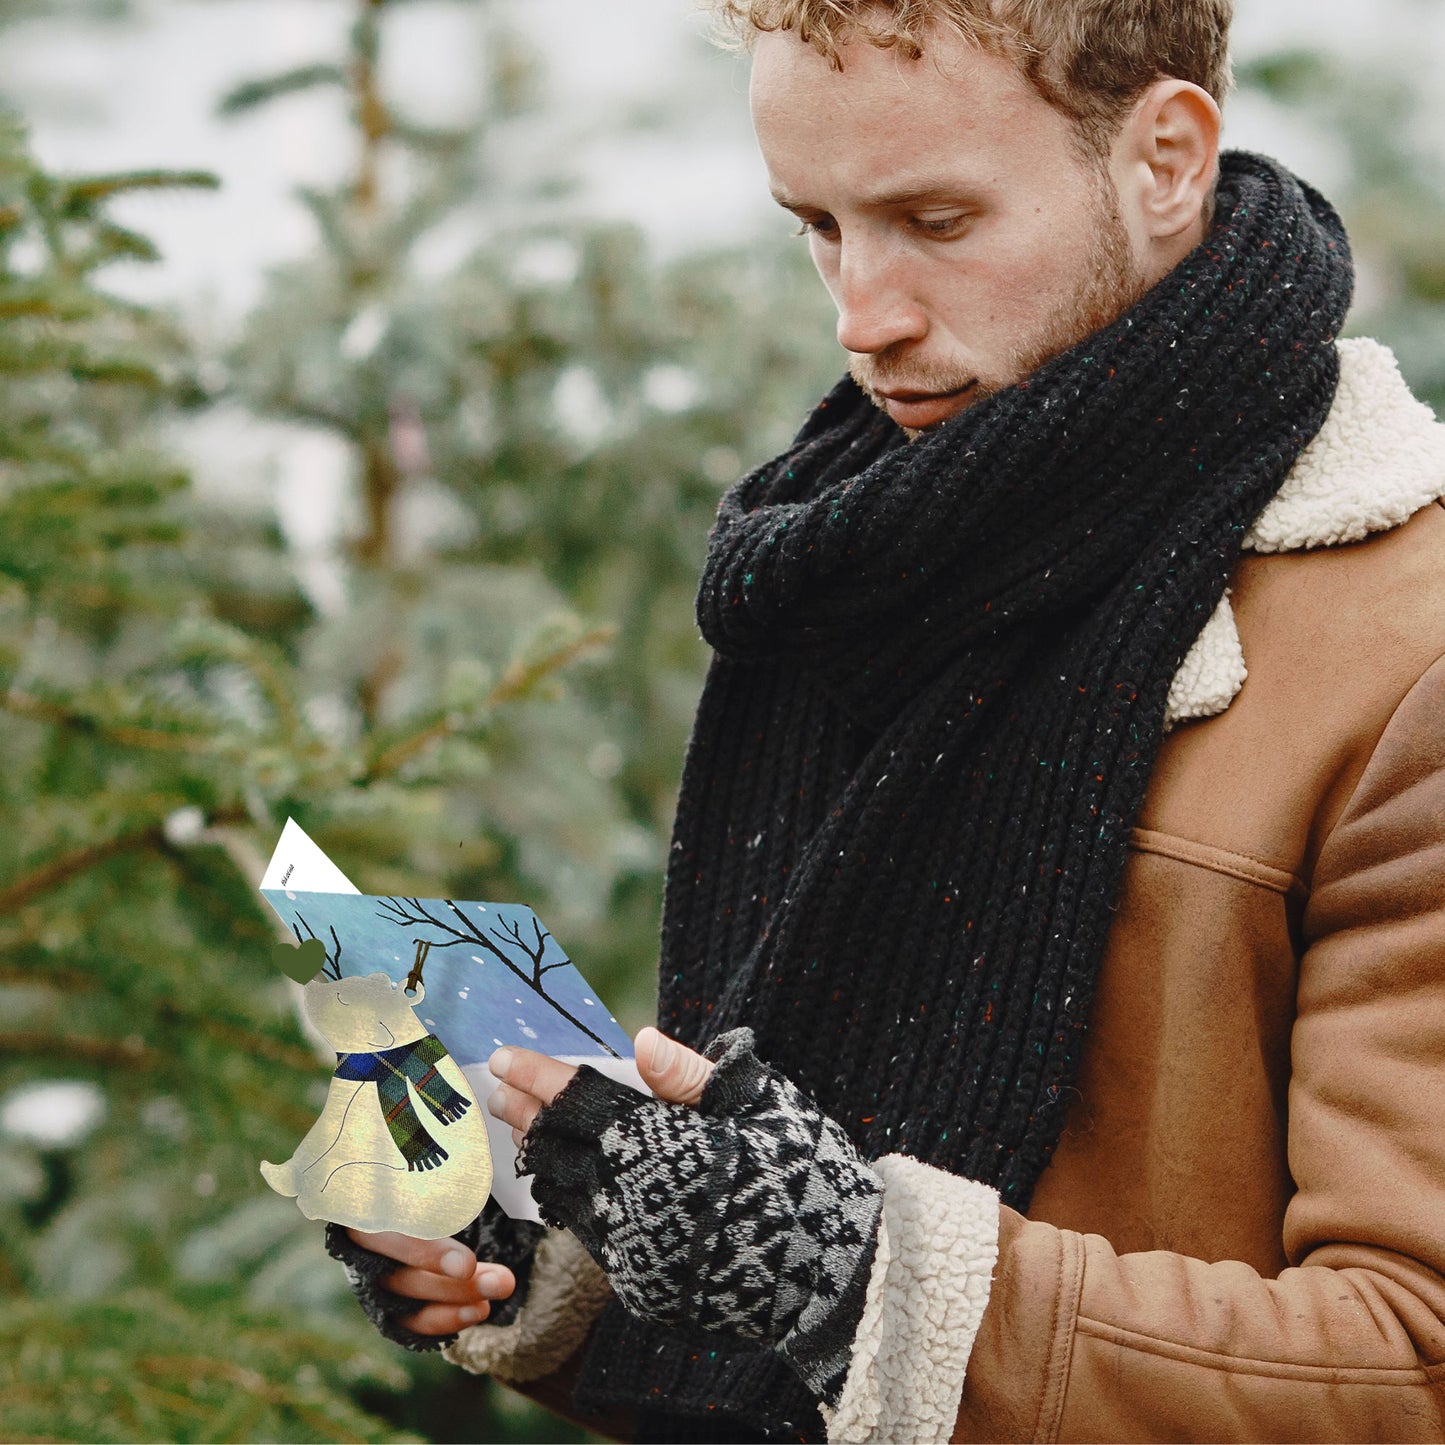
(918, 410)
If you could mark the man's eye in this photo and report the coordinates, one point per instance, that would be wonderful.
(825, 226)
(941, 227)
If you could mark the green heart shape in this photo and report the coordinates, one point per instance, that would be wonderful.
(301, 963)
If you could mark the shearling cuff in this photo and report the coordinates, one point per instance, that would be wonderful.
(937, 1249)
(566, 1294)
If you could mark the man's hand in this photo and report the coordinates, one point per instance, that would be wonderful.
(454, 1288)
(452, 1284)
(751, 1215)
(674, 1072)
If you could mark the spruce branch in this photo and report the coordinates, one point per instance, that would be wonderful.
(84, 721)
(117, 243)
(69, 865)
(208, 640)
(519, 682)
(252, 1042)
(62, 980)
(251, 94)
(61, 870)
(80, 195)
(373, 116)
(128, 1054)
(27, 298)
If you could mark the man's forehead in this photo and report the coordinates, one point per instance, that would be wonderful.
(891, 129)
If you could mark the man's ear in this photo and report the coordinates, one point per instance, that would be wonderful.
(1166, 163)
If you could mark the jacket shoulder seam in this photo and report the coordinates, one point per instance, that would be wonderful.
(1241, 866)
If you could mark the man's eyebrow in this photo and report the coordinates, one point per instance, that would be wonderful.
(910, 193)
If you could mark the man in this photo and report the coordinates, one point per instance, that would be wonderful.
(1101, 990)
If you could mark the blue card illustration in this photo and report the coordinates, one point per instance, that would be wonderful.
(494, 975)
(480, 975)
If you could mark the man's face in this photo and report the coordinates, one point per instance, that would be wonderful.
(963, 237)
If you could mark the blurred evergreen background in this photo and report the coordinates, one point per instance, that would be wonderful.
(370, 489)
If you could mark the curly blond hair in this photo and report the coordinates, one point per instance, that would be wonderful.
(1090, 59)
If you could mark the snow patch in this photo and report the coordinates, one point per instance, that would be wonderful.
(56, 1114)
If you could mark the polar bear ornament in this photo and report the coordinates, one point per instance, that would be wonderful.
(401, 1143)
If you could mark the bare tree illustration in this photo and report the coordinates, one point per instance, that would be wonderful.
(506, 944)
(333, 960)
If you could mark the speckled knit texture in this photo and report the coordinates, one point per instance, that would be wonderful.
(748, 1217)
(940, 684)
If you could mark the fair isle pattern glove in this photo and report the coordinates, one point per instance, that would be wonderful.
(491, 1236)
(751, 1216)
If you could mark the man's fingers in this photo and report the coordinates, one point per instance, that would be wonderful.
(446, 1319)
(491, 1281)
(531, 1073)
(444, 1256)
(514, 1107)
(674, 1072)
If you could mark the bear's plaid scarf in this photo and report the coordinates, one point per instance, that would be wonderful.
(389, 1070)
(939, 689)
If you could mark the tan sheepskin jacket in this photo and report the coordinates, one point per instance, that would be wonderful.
(1242, 1234)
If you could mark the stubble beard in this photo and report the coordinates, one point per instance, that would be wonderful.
(1109, 285)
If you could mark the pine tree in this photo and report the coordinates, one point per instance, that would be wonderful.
(129, 707)
(456, 725)
(540, 432)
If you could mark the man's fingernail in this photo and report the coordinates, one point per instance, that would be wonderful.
(469, 1314)
(500, 1063)
(487, 1279)
(662, 1052)
(458, 1263)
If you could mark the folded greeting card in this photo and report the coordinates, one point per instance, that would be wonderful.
(414, 994)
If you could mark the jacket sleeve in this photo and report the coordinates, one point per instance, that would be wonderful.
(1348, 1343)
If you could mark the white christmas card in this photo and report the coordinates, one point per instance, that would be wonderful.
(471, 976)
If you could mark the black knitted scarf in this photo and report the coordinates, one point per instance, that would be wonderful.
(939, 688)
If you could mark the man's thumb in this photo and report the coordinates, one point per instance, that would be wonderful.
(674, 1072)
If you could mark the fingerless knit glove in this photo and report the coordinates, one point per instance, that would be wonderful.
(751, 1216)
(491, 1236)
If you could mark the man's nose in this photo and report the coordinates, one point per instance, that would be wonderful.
(876, 309)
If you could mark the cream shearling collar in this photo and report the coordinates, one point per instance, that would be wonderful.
(1378, 459)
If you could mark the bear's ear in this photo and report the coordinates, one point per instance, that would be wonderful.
(415, 994)
(372, 989)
